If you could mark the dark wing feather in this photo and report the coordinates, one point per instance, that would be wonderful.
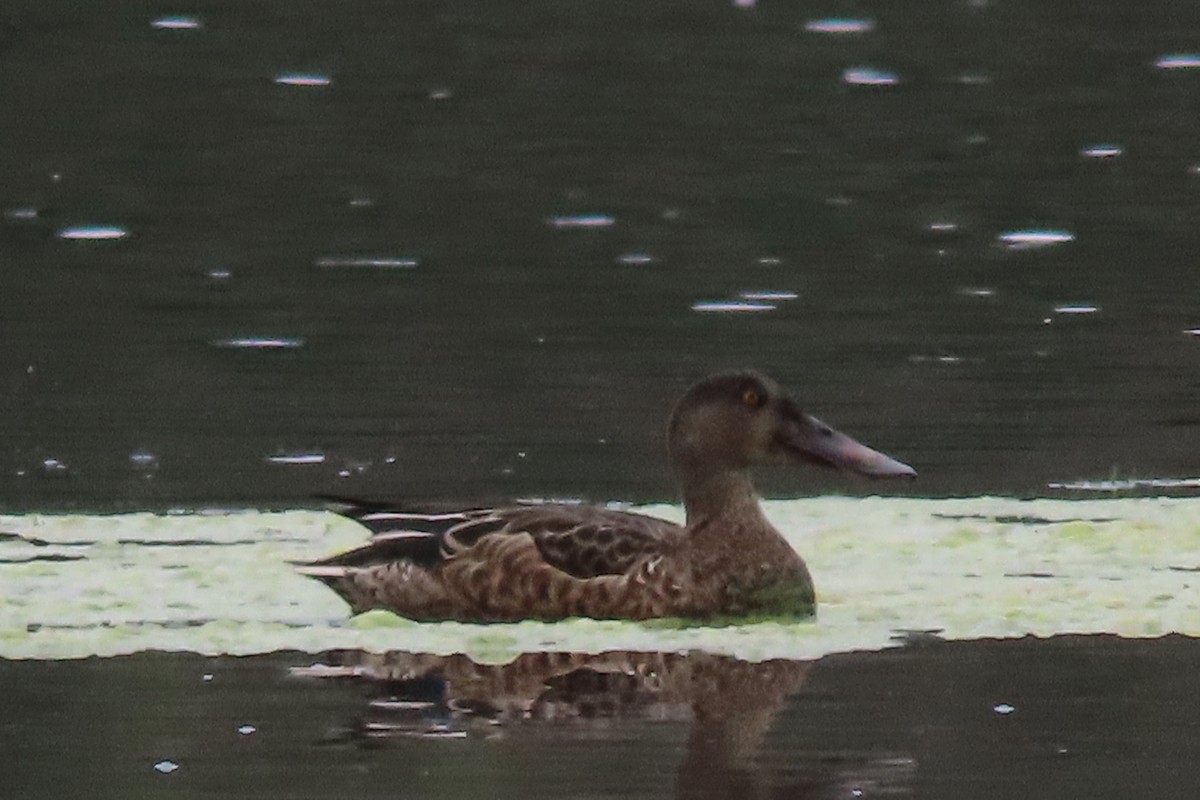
(582, 541)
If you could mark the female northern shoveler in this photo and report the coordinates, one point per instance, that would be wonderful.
(554, 561)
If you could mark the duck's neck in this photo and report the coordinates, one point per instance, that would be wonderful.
(740, 563)
(725, 494)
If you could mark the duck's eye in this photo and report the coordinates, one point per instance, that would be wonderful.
(752, 397)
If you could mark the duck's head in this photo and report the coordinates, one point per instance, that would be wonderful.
(732, 421)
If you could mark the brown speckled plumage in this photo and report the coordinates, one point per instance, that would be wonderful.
(554, 561)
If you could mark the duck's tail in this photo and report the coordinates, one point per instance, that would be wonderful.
(397, 585)
(392, 570)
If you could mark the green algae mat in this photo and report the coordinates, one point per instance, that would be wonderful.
(73, 586)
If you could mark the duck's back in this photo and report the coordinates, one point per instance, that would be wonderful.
(525, 562)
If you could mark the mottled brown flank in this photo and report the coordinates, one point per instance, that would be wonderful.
(505, 577)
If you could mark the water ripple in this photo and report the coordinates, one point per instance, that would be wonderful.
(258, 343)
(378, 262)
(21, 214)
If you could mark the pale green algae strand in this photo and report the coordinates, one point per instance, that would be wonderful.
(970, 568)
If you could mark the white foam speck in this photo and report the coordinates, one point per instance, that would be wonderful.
(1033, 238)
(93, 233)
(768, 295)
(582, 221)
(731, 307)
(869, 76)
(258, 343)
(840, 25)
(297, 458)
(176, 23)
(376, 262)
(303, 79)
(1102, 151)
(636, 259)
(1178, 61)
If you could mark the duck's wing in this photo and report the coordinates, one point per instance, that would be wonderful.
(582, 541)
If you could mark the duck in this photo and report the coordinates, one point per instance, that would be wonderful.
(555, 561)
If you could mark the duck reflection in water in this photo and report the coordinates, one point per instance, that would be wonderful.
(730, 704)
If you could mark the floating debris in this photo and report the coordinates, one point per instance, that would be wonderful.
(297, 458)
(942, 227)
(582, 221)
(1076, 309)
(1102, 151)
(246, 730)
(1178, 61)
(166, 767)
(177, 23)
(93, 233)
(23, 214)
(440, 93)
(1003, 708)
(868, 76)
(840, 25)
(375, 262)
(1033, 238)
(731, 307)
(307, 79)
(258, 343)
(977, 291)
(219, 275)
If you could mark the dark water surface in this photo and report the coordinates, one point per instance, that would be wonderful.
(542, 195)
(477, 256)
(1069, 717)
